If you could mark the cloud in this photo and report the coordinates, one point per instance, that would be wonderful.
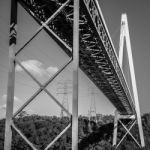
(16, 99)
(52, 70)
(36, 68)
(3, 107)
(33, 66)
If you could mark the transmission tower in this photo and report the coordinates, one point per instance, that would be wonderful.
(92, 111)
(64, 88)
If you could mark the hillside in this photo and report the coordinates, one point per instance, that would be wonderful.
(41, 130)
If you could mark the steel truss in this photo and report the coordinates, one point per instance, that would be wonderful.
(136, 118)
(98, 59)
(85, 29)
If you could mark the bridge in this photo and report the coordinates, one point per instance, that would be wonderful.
(80, 30)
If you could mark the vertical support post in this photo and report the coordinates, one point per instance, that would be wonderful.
(11, 76)
(75, 76)
(115, 128)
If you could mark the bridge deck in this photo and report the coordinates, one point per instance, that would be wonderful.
(97, 54)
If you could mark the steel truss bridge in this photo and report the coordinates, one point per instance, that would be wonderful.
(98, 59)
(97, 56)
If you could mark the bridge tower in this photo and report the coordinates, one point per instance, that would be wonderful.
(136, 118)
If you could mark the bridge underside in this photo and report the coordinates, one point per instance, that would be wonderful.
(97, 54)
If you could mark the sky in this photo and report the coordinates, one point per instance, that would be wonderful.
(43, 57)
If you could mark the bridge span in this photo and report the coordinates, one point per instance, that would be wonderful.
(98, 58)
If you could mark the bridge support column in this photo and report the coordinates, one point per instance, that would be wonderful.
(75, 76)
(115, 128)
(11, 76)
(124, 35)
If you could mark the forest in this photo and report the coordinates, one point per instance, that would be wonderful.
(41, 130)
